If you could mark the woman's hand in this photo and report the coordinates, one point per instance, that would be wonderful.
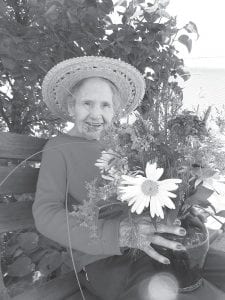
(141, 235)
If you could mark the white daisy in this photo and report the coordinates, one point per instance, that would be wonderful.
(141, 192)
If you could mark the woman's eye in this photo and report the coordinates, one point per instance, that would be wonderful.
(87, 103)
(106, 105)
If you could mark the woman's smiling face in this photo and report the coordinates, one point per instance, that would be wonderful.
(93, 109)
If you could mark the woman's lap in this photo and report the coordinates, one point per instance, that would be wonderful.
(126, 278)
(87, 296)
(144, 281)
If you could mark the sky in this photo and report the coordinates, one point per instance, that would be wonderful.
(209, 49)
(206, 62)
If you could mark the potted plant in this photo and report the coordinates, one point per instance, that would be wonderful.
(142, 173)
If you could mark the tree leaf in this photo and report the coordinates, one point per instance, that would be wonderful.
(11, 250)
(106, 6)
(17, 253)
(192, 28)
(28, 241)
(183, 73)
(221, 213)
(20, 286)
(52, 14)
(65, 269)
(200, 197)
(6, 43)
(8, 63)
(22, 266)
(33, 2)
(50, 262)
(130, 10)
(3, 7)
(163, 3)
(38, 254)
(185, 40)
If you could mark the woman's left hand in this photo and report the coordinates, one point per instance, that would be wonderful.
(142, 234)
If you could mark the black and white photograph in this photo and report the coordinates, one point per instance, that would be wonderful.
(112, 150)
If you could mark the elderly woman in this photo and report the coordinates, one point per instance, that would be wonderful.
(91, 92)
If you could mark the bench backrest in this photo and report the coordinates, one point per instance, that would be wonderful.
(18, 215)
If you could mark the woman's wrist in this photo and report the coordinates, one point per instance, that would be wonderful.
(125, 234)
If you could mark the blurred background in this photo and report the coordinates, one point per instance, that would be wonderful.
(206, 61)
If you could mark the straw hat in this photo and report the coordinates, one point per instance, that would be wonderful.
(64, 76)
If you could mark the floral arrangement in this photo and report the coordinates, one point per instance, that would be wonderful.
(161, 175)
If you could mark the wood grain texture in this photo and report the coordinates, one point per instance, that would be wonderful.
(22, 180)
(15, 216)
(20, 146)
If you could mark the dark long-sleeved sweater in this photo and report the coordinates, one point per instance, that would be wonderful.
(71, 160)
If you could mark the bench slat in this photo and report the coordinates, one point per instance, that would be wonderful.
(14, 216)
(57, 289)
(22, 180)
(20, 146)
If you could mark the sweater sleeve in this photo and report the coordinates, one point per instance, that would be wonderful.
(50, 214)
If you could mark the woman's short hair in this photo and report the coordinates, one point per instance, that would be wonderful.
(116, 96)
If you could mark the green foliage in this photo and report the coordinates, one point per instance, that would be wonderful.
(187, 124)
(219, 118)
(29, 259)
(35, 35)
(186, 151)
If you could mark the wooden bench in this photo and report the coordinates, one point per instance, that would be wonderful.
(18, 215)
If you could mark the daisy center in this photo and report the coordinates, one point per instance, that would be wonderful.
(149, 187)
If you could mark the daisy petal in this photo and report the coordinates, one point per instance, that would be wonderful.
(147, 201)
(166, 201)
(158, 174)
(135, 206)
(132, 201)
(159, 207)
(170, 195)
(138, 206)
(152, 208)
(170, 184)
(150, 170)
(128, 192)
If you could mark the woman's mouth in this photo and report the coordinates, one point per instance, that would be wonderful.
(94, 126)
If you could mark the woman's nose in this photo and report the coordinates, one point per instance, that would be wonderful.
(96, 112)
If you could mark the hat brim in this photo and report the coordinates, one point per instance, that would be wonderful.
(64, 76)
